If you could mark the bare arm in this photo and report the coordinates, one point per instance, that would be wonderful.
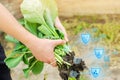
(10, 25)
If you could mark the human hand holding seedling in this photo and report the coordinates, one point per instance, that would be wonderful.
(43, 49)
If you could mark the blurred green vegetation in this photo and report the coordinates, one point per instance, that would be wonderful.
(82, 77)
(105, 26)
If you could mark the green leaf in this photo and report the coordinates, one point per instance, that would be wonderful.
(32, 27)
(60, 33)
(13, 61)
(40, 35)
(21, 21)
(26, 72)
(11, 39)
(29, 55)
(52, 7)
(30, 65)
(48, 18)
(71, 78)
(33, 10)
(44, 30)
(25, 49)
(38, 67)
(31, 61)
(18, 46)
(25, 59)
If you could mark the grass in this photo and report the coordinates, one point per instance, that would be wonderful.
(105, 26)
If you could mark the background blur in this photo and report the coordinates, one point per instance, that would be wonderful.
(74, 7)
(85, 7)
(101, 18)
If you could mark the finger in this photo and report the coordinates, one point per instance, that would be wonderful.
(51, 59)
(53, 64)
(60, 27)
(58, 42)
(64, 32)
(66, 37)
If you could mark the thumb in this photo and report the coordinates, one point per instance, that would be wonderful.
(66, 38)
(58, 42)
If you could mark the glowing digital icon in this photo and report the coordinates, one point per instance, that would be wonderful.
(95, 72)
(107, 58)
(99, 53)
(85, 38)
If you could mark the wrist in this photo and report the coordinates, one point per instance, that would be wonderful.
(29, 40)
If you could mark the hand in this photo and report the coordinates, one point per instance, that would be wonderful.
(43, 49)
(60, 27)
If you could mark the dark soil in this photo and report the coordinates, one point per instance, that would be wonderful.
(77, 65)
